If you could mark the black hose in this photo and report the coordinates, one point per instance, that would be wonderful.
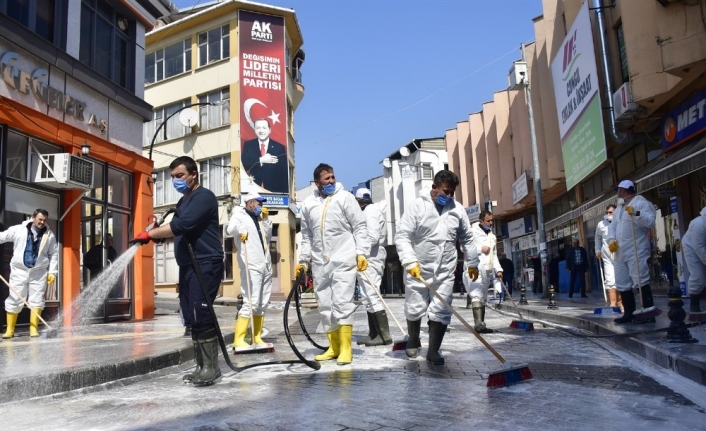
(299, 315)
(293, 293)
(313, 364)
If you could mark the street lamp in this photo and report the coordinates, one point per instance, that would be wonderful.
(156, 132)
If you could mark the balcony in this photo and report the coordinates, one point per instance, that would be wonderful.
(295, 89)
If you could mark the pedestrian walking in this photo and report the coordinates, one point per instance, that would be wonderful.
(508, 272)
(577, 265)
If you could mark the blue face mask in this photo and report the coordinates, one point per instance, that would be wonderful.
(180, 185)
(486, 228)
(443, 200)
(329, 189)
(257, 210)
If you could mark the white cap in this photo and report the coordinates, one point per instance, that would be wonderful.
(626, 184)
(362, 192)
(253, 195)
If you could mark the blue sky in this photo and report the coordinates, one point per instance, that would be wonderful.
(381, 73)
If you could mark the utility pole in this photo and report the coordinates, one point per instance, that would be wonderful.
(537, 183)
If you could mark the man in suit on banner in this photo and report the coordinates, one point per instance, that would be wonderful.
(265, 160)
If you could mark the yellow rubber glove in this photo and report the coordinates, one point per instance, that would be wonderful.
(51, 279)
(414, 270)
(613, 246)
(630, 210)
(265, 212)
(243, 236)
(362, 263)
(473, 273)
(299, 269)
(599, 255)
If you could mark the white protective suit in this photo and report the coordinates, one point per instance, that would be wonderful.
(32, 280)
(428, 238)
(602, 248)
(488, 264)
(626, 267)
(694, 246)
(259, 260)
(333, 235)
(377, 237)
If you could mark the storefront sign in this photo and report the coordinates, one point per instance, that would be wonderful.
(36, 84)
(473, 213)
(578, 103)
(520, 227)
(276, 201)
(519, 188)
(666, 191)
(684, 122)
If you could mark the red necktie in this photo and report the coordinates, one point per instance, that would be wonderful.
(263, 151)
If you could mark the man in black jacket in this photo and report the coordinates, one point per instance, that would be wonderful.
(577, 265)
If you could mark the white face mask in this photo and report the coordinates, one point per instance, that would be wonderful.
(608, 217)
(621, 201)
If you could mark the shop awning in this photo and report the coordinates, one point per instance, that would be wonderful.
(593, 205)
(682, 161)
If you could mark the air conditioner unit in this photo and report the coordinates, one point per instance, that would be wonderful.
(623, 106)
(63, 171)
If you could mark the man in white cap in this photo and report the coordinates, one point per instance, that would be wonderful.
(254, 228)
(378, 326)
(628, 239)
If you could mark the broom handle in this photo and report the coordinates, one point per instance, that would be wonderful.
(600, 268)
(512, 300)
(26, 303)
(458, 316)
(383, 302)
(247, 280)
(637, 262)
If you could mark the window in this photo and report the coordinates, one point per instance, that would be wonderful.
(173, 129)
(215, 175)
(107, 42)
(228, 247)
(622, 52)
(36, 15)
(164, 192)
(166, 270)
(599, 182)
(214, 45)
(211, 116)
(168, 62)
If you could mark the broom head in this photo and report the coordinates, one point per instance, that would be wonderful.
(255, 348)
(509, 375)
(609, 311)
(522, 324)
(402, 344)
(646, 313)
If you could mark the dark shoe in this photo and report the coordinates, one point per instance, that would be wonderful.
(187, 332)
(647, 300)
(372, 331)
(479, 318)
(468, 301)
(383, 330)
(694, 303)
(436, 336)
(198, 358)
(628, 299)
(413, 328)
(209, 350)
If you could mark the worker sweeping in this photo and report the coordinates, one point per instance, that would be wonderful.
(485, 244)
(34, 265)
(627, 238)
(378, 325)
(694, 246)
(335, 240)
(604, 254)
(254, 229)
(426, 243)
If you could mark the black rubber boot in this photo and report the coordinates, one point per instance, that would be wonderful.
(198, 358)
(436, 336)
(694, 303)
(413, 328)
(372, 331)
(209, 349)
(647, 300)
(468, 301)
(628, 307)
(479, 318)
(383, 330)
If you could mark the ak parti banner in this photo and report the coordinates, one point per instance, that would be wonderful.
(263, 103)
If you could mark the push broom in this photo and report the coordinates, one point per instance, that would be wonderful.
(399, 344)
(523, 324)
(604, 310)
(643, 314)
(50, 332)
(509, 374)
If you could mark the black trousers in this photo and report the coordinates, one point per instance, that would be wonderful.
(510, 280)
(576, 275)
(193, 304)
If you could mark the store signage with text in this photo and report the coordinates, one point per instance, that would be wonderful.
(684, 122)
(519, 188)
(520, 227)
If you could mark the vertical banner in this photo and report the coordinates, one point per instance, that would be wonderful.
(678, 230)
(263, 103)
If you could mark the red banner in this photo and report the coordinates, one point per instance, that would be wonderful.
(263, 103)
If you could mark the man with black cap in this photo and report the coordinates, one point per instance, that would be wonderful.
(628, 239)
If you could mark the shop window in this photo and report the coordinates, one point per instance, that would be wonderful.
(164, 192)
(166, 270)
(119, 186)
(214, 45)
(173, 129)
(17, 156)
(170, 61)
(214, 174)
(107, 42)
(98, 181)
(40, 16)
(622, 52)
(212, 116)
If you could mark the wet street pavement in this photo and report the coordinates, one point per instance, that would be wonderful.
(578, 384)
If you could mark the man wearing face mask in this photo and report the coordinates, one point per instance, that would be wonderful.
(426, 242)
(195, 222)
(489, 269)
(632, 252)
(605, 256)
(335, 239)
(34, 265)
(254, 229)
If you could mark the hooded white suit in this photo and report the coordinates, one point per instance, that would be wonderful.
(258, 257)
(694, 246)
(428, 238)
(626, 268)
(333, 235)
(488, 265)
(377, 237)
(602, 247)
(32, 279)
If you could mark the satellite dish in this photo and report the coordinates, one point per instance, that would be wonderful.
(404, 151)
(189, 118)
(386, 162)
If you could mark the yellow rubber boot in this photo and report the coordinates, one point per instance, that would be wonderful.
(345, 333)
(258, 322)
(241, 328)
(34, 322)
(11, 321)
(333, 347)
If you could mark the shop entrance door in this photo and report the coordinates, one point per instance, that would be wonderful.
(274, 255)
